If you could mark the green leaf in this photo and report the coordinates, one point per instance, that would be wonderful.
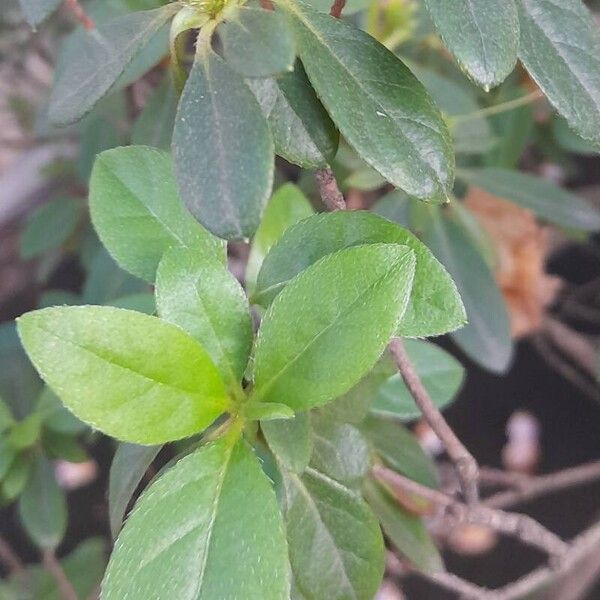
(154, 126)
(406, 532)
(137, 213)
(486, 339)
(287, 206)
(106, 281)
(49, 227)
(400, 451)
(569, 140)
(434, 307)
(129, 375)
(6, 418)
(37, 11)
(351, 7)
(379, 106)
(483, 36)
(257, 42)
(98, 58)
(302, 131)
(329, 326)
(440, 373)
(201, 296)
(25, 433)
(222, 150)
(127, 469)
(16, 477)
(267, 411)
(56, 417)
(42, 506)
(143, 303)
(290, 441)
(540, 196)
(560, 47)
(214, 515)
(8, 454)
(340, 451)
(60, 446)
(335, 545)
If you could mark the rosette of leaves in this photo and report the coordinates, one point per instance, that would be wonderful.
(197, 372)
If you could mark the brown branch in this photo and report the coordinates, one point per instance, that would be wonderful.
(329, 190)
(522, 527)
(529, 488)
(466, 466)
(53, 567)
(9, 557)
(336, 8)
(79, 14)
(266, 4)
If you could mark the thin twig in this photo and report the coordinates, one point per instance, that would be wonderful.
(79, 14)
(329, 190)
(497, 109)
(51, 564)
(336, 8)
(9, 557)
(497, 477)
(465, 589)
(466, 466)
(530, 488)
(522, 527)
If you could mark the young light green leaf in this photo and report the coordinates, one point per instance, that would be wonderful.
(267, 411)
(99, 58)
(25, 433)
(8, 454)
(137, 213)
(49, 226)
(434, 307)
(331, 558)
(127, 469)
(287, 206)
(486, 339)
(560, 47)
(201, 296)
(213, 513)
(222, 150)
(16, 477)
(302, 131)
(441, 374)
(379, 106)
(483, 36)
(340, 450)
(540, 196)
(400, 451)
(290, 441)
(406, 532)
(329, 326)
(257, 42)
(154, 126)
(129, 375)
(37, 11)
(42, 506)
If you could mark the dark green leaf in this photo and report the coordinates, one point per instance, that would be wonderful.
(329, 325)
(542, 197)
(16, 477)
(132, 376)
(483, 35)
(440, 373)
(6, 418)
(215, 516)
(560, 47)
(127, 469)
(406, 532)
(37, 11)
(379, 106)
(222, 150)
(201, 296)
(56, 417)
(60, 446)
(8, 454)
(154, 126)
(287, 206)
(257, 42)
(400, 451)
(143, 303)
(98, 58)
(49, 226)
(137, 212)
(42, 506)
(486, 339)
(434, 307)
(569, 140)
(25, 433)
(303, 132)
(335, 544)
(290, 440)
